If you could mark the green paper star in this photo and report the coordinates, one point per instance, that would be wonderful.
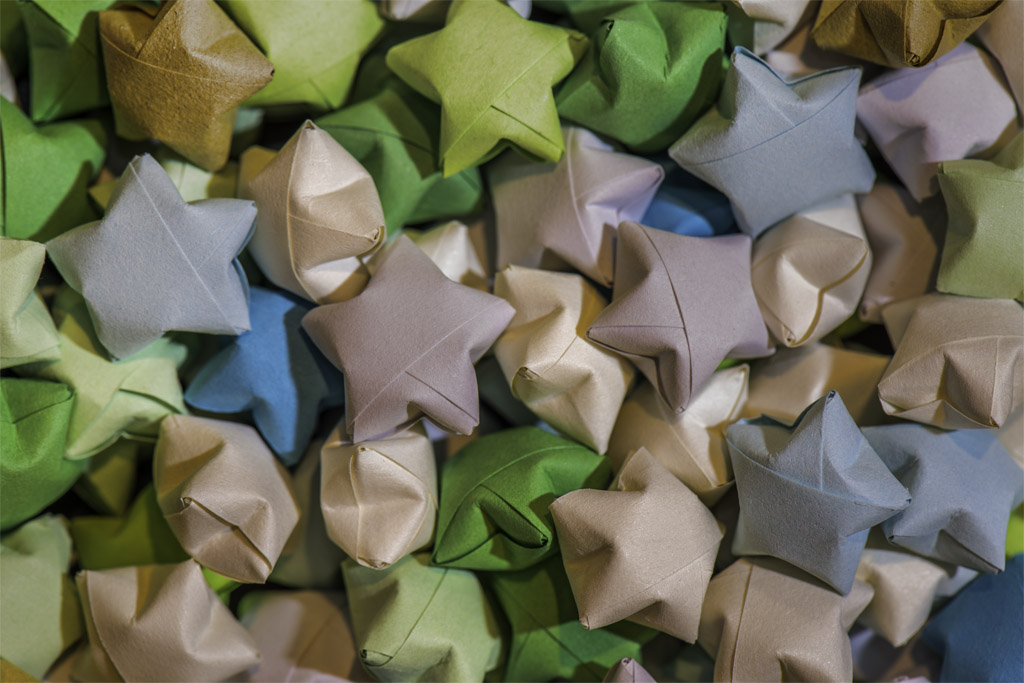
(26, 328)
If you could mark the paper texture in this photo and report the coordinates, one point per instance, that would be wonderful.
(274, 373)
(568, 381)
(984, 240)
(763, 620)
(764, 121)
(760, 25)
(192, 182)
(318, 211)
(628, 670)
(495, 494)
(690, 445)
(224, 494)
(643, 551)
(651, 70)
(487, 102)
(905, 238)
(949, 518)
(109, 480)
(958, 361)
(566, 214)
(422, 331)
(809, 272)
(681, 305)
(159, 622)
(416, 622)
(176, 265)
(152, 57)
(1000, 37)
(25, 324)
(809, 493)
(953, 108)
(459, 250)
(379, 497)
(686, 205)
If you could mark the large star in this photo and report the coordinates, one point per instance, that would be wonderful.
(491, 71)
(156, 264)
(681, 305)
(407, 344)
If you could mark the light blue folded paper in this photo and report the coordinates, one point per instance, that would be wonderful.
(774, 146)
(273, 372)
(686, 205)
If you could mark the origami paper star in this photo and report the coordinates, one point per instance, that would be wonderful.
(705, 282)
(571, 383)
(945, 471)
(567, 213)
(153, 56)
(45, 171)
(897, 33)
(688, 206)
(236, 533)
(691, 444)
(307, 237)
(628, 670)
(40, 616)
(433, 11)
(379, 497)
(643, 551)
(776, 146)
(109, 481)
(766, 621)
(415, 622)
(1000, 36)
(424, 333)
(13, 37)
(274, 372)
(314, 46)
(809, 493)
(394, 135)
(978, 632)
(112, 398)
(984, 241)
(505, 481)
(177, 268)
(167, 611)
(491, 71)
(808, 272)
(957, 363)
(25, 325)
(651, 69)
(956, 107)
(192, 182)
(459, 250)
(760, 25)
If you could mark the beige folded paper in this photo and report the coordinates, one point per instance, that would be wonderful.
(1001, 35)
(318, 212)
(809, 271)
(224, 494)
(643, 551)
(785, 384)
(691, 445)
(959, 361)
(568, 381)
(159, 623)
(379, 498)
(178, 74)
(459, 250)
(764, 620)
(628, 670)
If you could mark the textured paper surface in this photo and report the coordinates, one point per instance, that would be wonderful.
(224, 494)
(159, 622)
(686, 205)
(422, 333)
(379, 497)
(1000, 36)
(628, 670)
(760, 25)
(690, 445)
(152, 56)
(681, 305)
(801, 130)
(571, 383)
(643, 551)
(108, 483)
(192, 182)
(566, 214)
(809, 493)
(25, 324)
(459, 250)
(176, 265)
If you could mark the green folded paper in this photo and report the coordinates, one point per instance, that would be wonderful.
(651, 70)
(586, 15)
(44, 172)
(492, 72)
(495, 494)
(13, 40)
(26, 328)
(65, 63)
(1015, 532)
(34, 418)
(108, 482)
(315, 47)
(548, 640)
(40, 615)
(415, 622)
